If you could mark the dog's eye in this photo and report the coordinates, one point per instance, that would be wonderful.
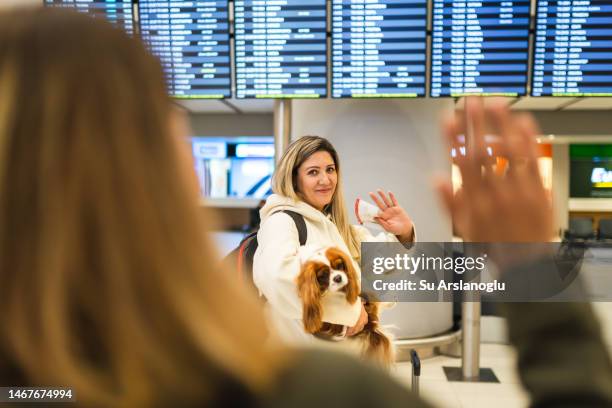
(322, 271)
(323, 275)
(338, 265)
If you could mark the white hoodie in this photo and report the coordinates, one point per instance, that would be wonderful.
(276, 265)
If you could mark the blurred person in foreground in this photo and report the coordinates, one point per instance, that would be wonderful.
(109, 283)
(562, 359)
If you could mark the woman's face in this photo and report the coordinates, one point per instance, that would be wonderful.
(317, 179)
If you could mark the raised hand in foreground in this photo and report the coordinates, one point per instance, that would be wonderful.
(511, 207)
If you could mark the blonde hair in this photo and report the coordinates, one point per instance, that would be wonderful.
(284, 182)
(108, 282)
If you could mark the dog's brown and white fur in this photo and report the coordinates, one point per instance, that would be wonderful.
(330, 269)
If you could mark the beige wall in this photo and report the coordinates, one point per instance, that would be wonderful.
(232, 124)
(575, 123)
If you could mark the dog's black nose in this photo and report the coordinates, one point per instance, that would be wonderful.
(337, 278)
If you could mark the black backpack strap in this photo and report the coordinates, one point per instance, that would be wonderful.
(300, 224)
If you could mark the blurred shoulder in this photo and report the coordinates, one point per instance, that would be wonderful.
(326, 378)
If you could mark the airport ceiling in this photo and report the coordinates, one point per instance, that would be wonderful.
(260, 106)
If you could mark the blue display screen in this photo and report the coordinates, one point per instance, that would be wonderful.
(118, 12)
(480, 47)
(573, 48)
(234, 167)
(281, 48)
(378, 48)
(191, 38)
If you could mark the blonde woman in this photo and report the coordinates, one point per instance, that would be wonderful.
(108, 282)
(308, 181)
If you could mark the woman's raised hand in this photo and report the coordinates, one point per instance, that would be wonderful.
(392, 217)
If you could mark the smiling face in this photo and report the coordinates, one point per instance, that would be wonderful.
(317, 179)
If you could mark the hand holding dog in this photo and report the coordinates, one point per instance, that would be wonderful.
(358, 327)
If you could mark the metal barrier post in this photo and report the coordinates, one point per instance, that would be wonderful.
(470, 347)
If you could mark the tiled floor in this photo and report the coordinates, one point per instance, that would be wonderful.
(499, 357)
(441, 393)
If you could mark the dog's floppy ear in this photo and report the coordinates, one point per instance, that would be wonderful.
(310, 293)
(352, 288)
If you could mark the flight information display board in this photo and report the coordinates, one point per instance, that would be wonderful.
(191, 38)
(480, 47)
(379, 48)
(118, 12)
(280, 48)
(573, 48)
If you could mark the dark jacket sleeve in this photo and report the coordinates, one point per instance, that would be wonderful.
(324, 379)
(562, 359)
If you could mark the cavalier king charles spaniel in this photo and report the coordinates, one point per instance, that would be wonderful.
(330, 269)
